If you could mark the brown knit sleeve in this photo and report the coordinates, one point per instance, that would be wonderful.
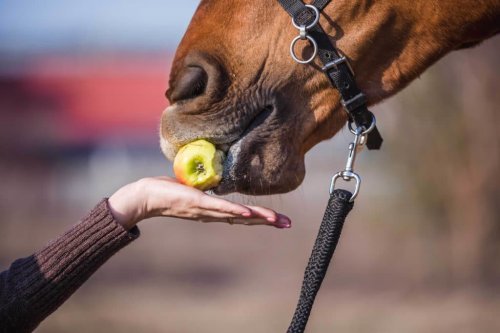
(34, 287)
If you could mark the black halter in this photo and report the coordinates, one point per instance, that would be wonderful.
(335, 65)
(361, 123)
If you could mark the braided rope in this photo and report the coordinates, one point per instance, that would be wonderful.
(324, 247)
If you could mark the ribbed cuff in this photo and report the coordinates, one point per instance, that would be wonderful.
(49, 277)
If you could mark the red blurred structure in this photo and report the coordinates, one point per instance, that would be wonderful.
(82, 101)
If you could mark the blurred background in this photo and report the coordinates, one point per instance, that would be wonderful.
(81, 92)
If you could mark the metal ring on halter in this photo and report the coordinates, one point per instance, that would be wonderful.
(292, 49)
(313, 24)
(366, 131)
(349, 175)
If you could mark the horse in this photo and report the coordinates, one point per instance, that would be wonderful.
(234, 83)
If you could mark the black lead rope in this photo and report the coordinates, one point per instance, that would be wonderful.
(336, 212)
(362, 124)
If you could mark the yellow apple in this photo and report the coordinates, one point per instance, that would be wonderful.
(199, 164)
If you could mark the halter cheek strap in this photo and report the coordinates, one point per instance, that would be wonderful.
(335, 65)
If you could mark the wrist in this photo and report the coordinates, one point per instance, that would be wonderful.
(127, 205)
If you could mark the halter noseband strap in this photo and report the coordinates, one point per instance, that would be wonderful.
(335, 65)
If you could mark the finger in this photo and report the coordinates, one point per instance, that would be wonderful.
(246, 222)
(260, 216)
(251, 222)
(210, 203)
(211, 215)
(281, 223)
(236, 221)
(278, 220)
(266, 213)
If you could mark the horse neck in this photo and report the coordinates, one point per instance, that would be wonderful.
(464, 22)
(394, 41)
(455, 20)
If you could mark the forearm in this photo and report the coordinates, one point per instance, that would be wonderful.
(36, 286)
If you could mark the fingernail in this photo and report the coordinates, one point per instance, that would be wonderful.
(284, 222)
(246, 214)
(283, 226)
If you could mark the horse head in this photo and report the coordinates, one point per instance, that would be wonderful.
(234, 83)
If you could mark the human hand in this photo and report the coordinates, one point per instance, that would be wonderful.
(164, 196)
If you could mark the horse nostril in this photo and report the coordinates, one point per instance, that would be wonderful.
(192, 83)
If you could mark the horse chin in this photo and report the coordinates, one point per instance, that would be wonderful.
(250, 169)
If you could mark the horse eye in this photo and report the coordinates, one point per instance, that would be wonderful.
(191, 83)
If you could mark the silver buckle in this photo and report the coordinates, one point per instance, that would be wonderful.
(335, 64)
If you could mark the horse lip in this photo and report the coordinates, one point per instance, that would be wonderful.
(233, 150)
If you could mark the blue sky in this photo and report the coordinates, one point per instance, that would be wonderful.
(28, 26)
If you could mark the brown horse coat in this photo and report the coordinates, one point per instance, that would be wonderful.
(233, 81)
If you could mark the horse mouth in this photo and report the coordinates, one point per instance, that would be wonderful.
(261, 152)
(243, 157)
